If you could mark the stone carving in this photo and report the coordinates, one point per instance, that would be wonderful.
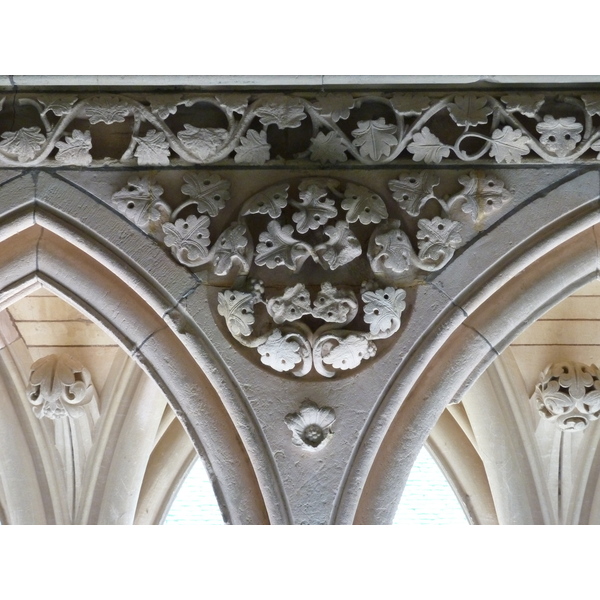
(501, 128)
(569, 395)
(311, 426)
(59, 386)
(331, 222)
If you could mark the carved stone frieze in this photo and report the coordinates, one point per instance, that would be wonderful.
(569, 395)
(311, 426)
(59, 386)
(323, 230)
(328, 128)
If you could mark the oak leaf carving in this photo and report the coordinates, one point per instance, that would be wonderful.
(152, 149)
(204, 142)
(413, 190)
(409, 105)
(142, 204)
(293, 304)
(58, 104)
(559, 135)
(526, 104)
(280, 352)
(278, 247)
(335, 106)
(24, 143)
(341, 248)
(375, 138)
(238, 309)
(314, 208)
(392, 250)
(328, 148)
(254, 148)
(207, 191)
(470, 110)
(107, 109)
(508, 145)
(75, 150)
(427, 147)
(232, 247)
(349, 352)
(268, 202)
(383, 309)
(283, 111)
(437, 237)
(188, 239)
(233, 103)
(363, 205)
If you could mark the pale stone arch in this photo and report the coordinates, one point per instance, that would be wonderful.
(539, 254)
(53, 233)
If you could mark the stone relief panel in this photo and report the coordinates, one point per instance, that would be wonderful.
(313, 271)
(368, 128)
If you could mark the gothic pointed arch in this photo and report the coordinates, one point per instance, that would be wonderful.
(56, 235)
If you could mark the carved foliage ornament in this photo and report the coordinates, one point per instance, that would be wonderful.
(311, 426)
(241, 128)
(569, 395)
(59, 386)
(332, 224)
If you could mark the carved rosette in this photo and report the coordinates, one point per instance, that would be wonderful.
(569, 395)
(311, 426)
(59, 386)
(318, 226)
(330, 128)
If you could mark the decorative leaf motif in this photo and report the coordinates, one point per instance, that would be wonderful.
(292, 305)
(436, 237)
(413, 190)
(254, 149)
(508, 145)
(283, 111)
(232, 247)
(409, 105)
(363, 205)
(238, 309)
(470, 110)
(280, 352)
(141, 203)
(427, 147)
(268, 202)
(349, 352)
(233, 103)
(314, 208)
(335, 106)
(188, 239)
(559, 135)
(328, 148)
(153, 149)
(75, 149)
(481, 195)
(592, 104)
(375, 138)
(279, 248)
(334, 305)
(311, 426)
(526, 104)
(207, 191)
(390, 249)
(24, 143)
(341, 248)
(383, 309)
(59, 105)
(164, 105)
(107, 109)
(204, 143)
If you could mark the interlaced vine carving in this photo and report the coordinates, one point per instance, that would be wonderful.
(332, 226)
(332, 128)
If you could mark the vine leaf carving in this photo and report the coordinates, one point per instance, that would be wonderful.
(254, 148)
(559, 135)
(348, 353)
(142, 204)
(285, 112)
(334, 305)
(383, 309)
(526, 104)
(279, 247)
(592, 104)
(375, 138)
(188, 239)
(280, 352)
(233, 103)
(24, 143)
(268, 202)
(363, 205)
(481, 194)
(204, 143)
(107, 109)
(341, 248)
(508, 145)
(232, 247)
(391, 249)
(427, 147)
(208, 192)
(436, 237)
(152, 149)
(293, 304)
(470, 110)
(328, 148)
(410, 105)
(238, 309)
(314, 208)
(335, 106)
(413, 190)
(75, 149)
(59, 105)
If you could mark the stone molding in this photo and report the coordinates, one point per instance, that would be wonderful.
(322, 129)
